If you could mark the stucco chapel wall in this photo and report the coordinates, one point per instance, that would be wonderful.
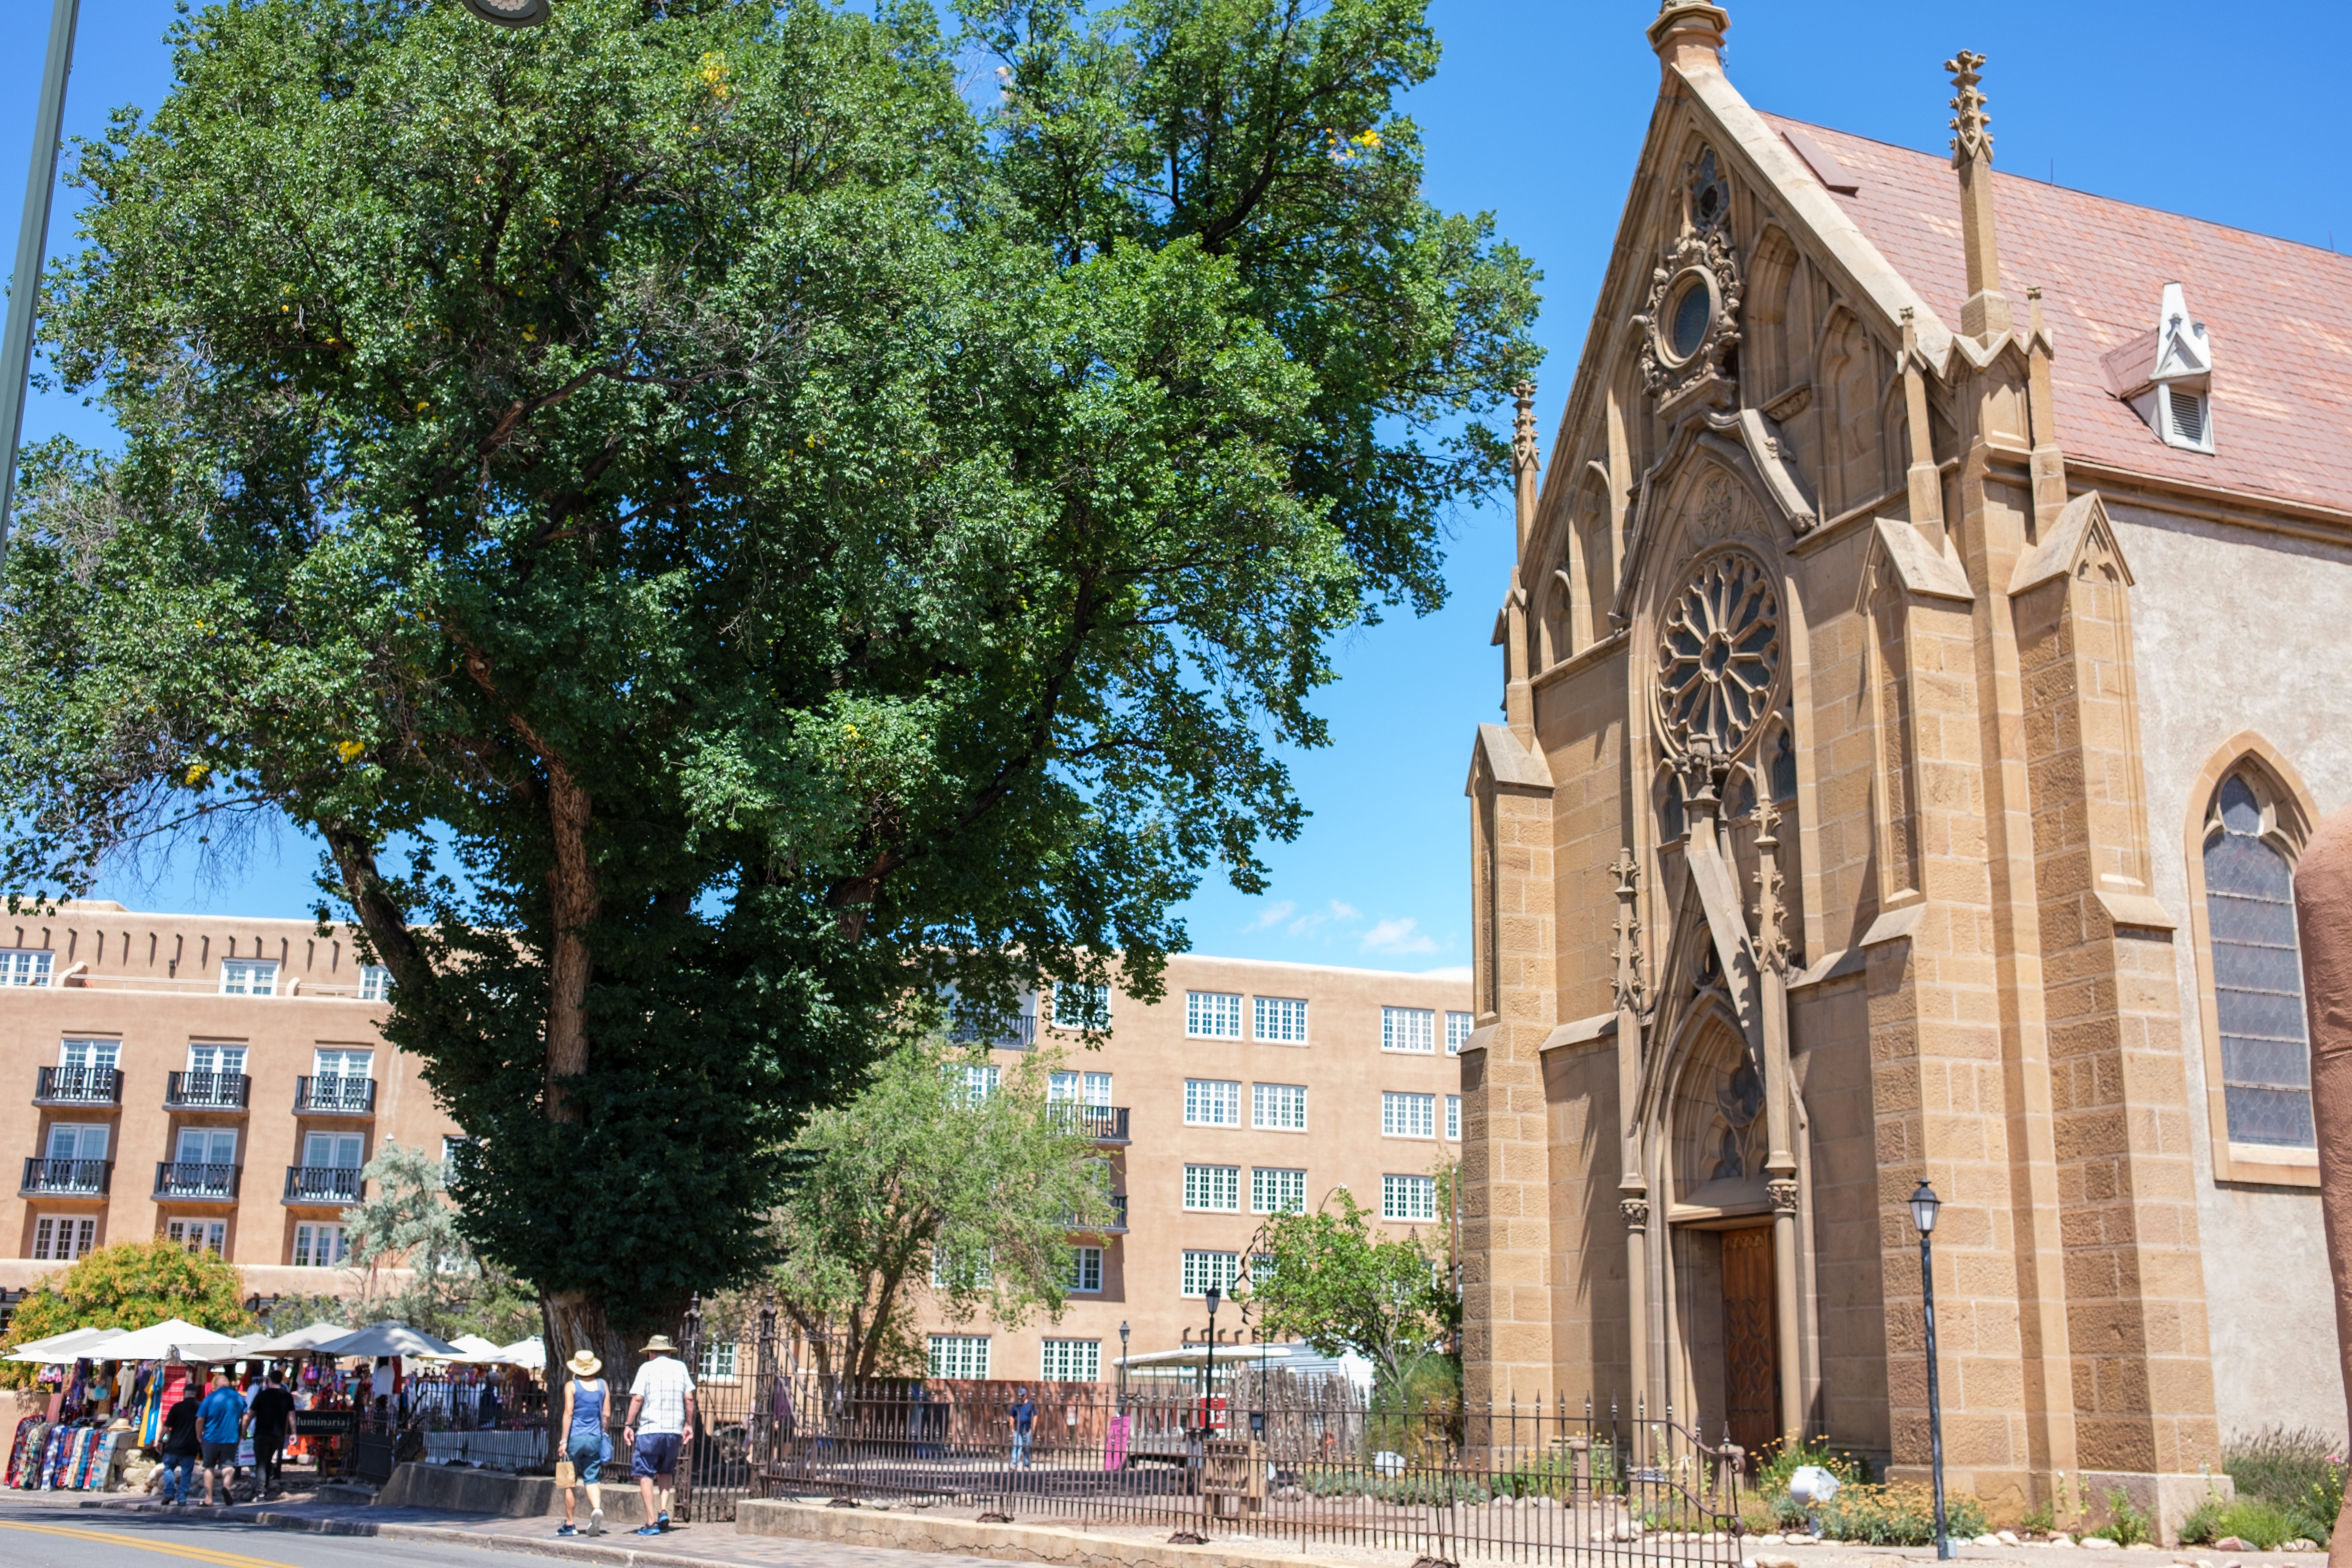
(2235, 630)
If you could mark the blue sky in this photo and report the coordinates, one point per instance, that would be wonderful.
(1537, 115)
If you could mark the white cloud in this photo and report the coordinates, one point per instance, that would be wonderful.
(1397, 936)
(1451, 972)
(1273, 915)
(1345, 912)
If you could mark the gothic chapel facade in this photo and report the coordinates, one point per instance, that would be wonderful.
(1918, 689)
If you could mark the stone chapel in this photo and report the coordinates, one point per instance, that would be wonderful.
(1920, 679)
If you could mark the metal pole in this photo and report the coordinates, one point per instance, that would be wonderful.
(33, 249)
(1934, 1402)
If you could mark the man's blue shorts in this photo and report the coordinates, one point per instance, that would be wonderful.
(655, 1453)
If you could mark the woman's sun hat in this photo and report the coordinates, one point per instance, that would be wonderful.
(586, 1363)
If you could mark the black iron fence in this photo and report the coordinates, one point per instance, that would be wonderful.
(1268, 1456)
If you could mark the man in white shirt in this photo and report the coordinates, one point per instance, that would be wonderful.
(660, 1424)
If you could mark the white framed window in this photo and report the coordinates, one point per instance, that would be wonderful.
(1215, 1188)
(717, 1361)
(1212, 1102)
(1274, 1190)
(1212, 1015)
(1281, 1020)
(197, 1234)
(450, 1144)
(1079, 1089)
(62, 1238)
(320, 1246)
(950, 1271)
(1408, 1115)
(1454, 1118)
(207, 1146)
(341, 1063)
(973, 1081)
(227, 1060)
(248, 977)
(1411, 1029)
(1082, 1006)
(89, 1056)
(25, 966)
(1278, 1107)
(1408, 1197)
(959, 1355)
(1203, 1270)
(375, 983)
(1070, 1360)
(78, 1140)
(331, 1151)
(1457, 1033)
(1086, 1271)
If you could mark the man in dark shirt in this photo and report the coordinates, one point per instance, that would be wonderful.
(268, 1419)
(182, 1445)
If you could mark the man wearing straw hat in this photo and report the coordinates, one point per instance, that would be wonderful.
(661, 1423)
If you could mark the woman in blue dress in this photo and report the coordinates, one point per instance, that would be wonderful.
(586, 1446)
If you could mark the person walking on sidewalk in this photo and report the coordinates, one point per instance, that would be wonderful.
(222, 1415)
(661, 1423)
(1024, 1422)
(182, 1441)
(271, 1414)
(585, 1447)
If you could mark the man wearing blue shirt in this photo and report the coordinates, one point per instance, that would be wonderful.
(220, 1417)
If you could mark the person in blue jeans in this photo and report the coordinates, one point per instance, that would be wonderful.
(221, 1417)
(182, 1441)
(1024, 1422)
(585, 1400)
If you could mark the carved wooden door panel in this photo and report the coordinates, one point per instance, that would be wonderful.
(1750, 1383)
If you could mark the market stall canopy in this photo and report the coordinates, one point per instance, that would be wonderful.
(66, 1346)
(475, 1348)
(171, 1336)
(244, 1347)
(390, 1338)
(311, 1337)
(531, 1352)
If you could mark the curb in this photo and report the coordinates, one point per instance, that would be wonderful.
(574, 1548)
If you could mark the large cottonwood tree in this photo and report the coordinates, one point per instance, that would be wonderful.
(796, 528)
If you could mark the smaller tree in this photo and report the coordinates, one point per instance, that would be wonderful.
(942, 1178)
(287, 1313)
(129, 1285)
(1340, 1286)
(410, 1221)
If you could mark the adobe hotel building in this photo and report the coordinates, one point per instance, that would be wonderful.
(218, 1081)
(1921, 679)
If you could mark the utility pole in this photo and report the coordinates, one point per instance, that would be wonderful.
(32, 249)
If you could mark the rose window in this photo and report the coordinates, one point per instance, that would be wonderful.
(1719, 654)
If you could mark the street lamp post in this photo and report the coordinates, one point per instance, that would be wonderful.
(1122, 1366)
(1208, 1392)
(1923, 1204)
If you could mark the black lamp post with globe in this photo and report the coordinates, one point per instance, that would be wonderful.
(1924, 1206)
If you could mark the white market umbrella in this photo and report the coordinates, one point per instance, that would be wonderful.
(311, 1337)
(244, 1347)
(66, 1346)
(530, 1353)
(389, 1337)
(164, 1338)
(475, 1348)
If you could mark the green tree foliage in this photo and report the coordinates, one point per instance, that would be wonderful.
(284, 1314)
(793, 540)
(1340, 1285)
(410, 1225)
(933, 1184)
(131, 1285)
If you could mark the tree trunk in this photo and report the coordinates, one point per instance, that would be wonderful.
(572, 904)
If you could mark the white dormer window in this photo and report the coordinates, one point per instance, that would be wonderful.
(2167, 375)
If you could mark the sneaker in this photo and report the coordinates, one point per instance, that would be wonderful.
(567, 1529)
(596, 1522)
(647, 1530)
(661, 1525)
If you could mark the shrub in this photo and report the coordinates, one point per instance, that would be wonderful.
(1900, 1513)
(2296, 1470)
(2255, 1520)
(2128, 1524)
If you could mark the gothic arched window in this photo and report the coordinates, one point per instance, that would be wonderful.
(2257, 971)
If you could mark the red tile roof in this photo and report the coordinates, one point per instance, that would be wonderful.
(2280, 314)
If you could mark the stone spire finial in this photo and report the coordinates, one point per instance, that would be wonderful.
(1522, 427)
(1771, 926)
(1630, 992)
(1688, 35)
(1986, 315)
(1970, 140)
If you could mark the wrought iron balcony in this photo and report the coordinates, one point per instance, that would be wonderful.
(206, 1091)
(1117, 1223)
(323, 1184)
(191, 1180)
(331, 1096)
(67, 1178)
(1103, 1123)
(77, 1086)
(1017, 1031)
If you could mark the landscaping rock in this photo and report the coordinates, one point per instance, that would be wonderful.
(2232, 1543)
(1990, 1541)
(2097, 1543)
(2061, 1539)
(2007, 1538)
(2300, 1543)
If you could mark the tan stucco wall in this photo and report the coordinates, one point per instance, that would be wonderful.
(2234, 630)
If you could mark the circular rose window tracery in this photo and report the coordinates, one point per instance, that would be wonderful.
(1719, 654)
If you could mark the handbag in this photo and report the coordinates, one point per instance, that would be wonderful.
(565, 1476)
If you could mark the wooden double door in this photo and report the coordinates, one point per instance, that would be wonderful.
(1751, 1382)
